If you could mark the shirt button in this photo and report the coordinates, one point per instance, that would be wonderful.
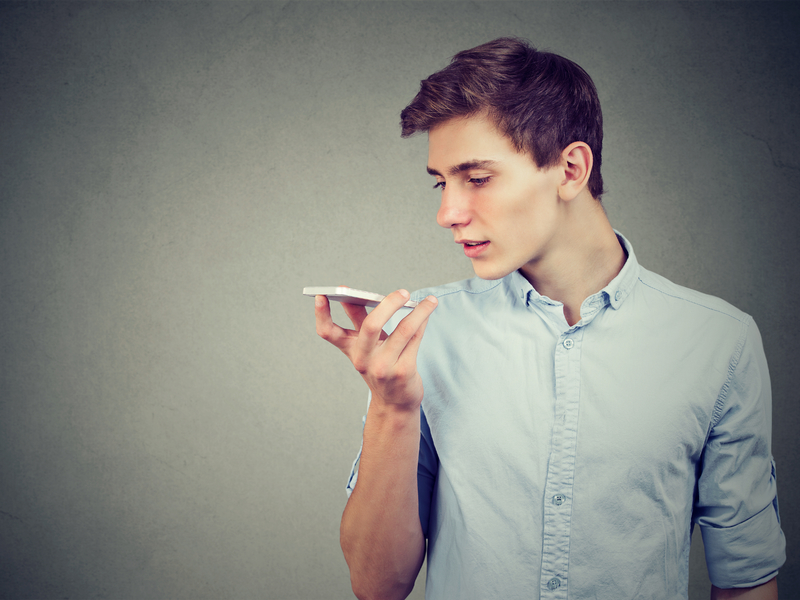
(618, 295)
(558, 499)
(568, 343)
(554, 583)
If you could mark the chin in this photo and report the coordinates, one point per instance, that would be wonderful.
(490, 273)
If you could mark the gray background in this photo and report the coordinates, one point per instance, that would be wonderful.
(174, 173)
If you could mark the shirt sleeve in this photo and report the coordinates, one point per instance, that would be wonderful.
(737, 502)
(351, 481)
(427, 467)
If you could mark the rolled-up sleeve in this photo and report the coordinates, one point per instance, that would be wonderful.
(737, 500)
(351, 481)
(427, 468)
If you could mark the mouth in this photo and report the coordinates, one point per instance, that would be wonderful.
(473, 248)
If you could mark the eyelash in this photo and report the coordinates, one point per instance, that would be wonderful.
(477, 181)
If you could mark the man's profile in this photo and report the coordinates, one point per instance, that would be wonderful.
(555, 426)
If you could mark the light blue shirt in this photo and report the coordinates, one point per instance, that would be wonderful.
(572, 462)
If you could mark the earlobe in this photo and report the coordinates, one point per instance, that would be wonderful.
(576, 161)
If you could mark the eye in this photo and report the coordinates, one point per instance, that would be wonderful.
(439, 185)
(479, 181)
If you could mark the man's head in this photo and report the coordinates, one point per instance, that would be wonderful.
(541, 101)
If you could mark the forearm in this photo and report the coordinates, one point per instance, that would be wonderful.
(767, 591)
(381, 535)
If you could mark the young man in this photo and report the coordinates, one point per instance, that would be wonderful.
(570, 415)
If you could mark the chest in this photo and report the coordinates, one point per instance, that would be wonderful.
(612, 402)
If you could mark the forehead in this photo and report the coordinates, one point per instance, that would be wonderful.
(466, 139)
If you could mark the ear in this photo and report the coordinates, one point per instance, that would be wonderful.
(576, 162)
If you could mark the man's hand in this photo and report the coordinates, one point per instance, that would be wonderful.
(388, 364)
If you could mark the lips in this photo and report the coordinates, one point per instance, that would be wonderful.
(473, 248)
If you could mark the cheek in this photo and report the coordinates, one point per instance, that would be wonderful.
(535, 200)
(523, 211)
(516, 209)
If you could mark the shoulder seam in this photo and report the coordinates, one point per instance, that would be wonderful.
(743, 319)
(460, 289)
(733, 363)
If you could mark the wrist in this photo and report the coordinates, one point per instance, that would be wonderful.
(386, 409)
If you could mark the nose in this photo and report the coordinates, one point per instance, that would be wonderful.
(454, 209)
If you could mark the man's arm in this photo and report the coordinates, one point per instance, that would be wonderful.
(766, 591)
(737, 503)
(380, 533)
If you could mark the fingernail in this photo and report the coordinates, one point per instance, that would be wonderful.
(318, 301)
(432, 299)
(405, 294)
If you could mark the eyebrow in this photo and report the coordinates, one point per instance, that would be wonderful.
(464, 166)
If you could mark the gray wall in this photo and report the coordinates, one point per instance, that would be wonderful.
(174, 173)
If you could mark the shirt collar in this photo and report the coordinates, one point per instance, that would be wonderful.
(614, 293)
(622, 285)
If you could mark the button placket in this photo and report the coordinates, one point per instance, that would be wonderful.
(561, 467)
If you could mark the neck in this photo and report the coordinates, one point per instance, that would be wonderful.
(582, 259)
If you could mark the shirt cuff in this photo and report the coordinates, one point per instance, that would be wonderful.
(747, 554)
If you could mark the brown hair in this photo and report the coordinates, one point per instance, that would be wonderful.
(541, 101)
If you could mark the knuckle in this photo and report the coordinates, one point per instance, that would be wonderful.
(405, 329)
(401, 371)
(360, 365)
(381, 373)
(370, 328)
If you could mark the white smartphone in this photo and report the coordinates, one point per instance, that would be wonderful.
(349, 295)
